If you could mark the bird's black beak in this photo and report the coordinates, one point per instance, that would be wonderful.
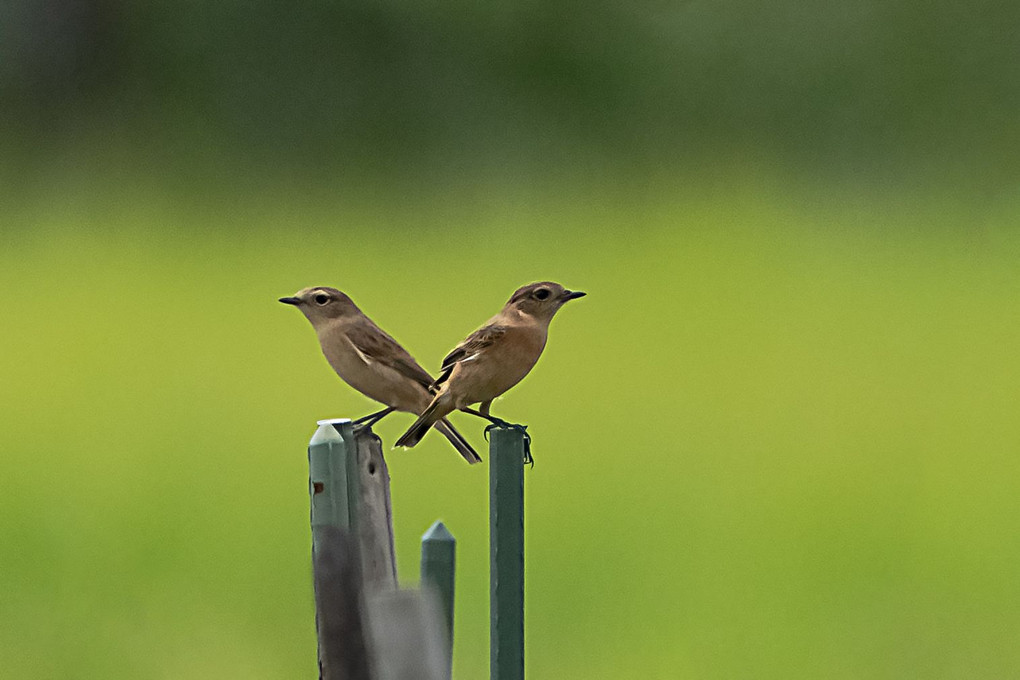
(291, 301)
(572, 294)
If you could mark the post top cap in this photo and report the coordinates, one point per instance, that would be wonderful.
(438, 532)
(333, 421)
(327, 432)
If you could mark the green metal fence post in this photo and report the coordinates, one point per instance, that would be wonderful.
(438, 563)
(331, 457)
(506, 553)
(333, 491)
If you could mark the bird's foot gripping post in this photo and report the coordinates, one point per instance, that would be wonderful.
(366, 422)
(507, 447)
(498, 424)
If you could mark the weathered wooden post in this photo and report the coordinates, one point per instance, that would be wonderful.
(438, 565)
(506, 552)
(375, 522)
(352, 539)
(406, 637)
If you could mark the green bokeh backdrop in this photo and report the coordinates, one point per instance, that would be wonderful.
(773, 441)
(778, 439)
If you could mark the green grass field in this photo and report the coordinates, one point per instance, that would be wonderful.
(778, 439)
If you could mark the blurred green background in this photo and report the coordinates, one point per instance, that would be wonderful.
(777, 440)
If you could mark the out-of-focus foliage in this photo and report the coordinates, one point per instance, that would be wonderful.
(392, 87)
(777, 440)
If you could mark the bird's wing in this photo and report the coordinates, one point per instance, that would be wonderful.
(374, 344)
(469, 350)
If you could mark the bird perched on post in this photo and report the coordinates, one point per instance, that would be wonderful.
(371, 361)
(494, 358)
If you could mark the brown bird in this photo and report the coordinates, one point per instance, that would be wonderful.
(371, 361)
(494, 358)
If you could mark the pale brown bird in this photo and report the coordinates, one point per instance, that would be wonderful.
(371, 361)
(494, 358)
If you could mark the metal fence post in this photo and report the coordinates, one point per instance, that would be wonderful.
(339, 628)
(438, 564)
(331, 454)
(336, 567)
(506, 553)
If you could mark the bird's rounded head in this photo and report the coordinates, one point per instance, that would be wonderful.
(542, 300)
(320, 303)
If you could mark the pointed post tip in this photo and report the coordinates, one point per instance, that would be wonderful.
(341, 428)
(332, 421)
(438, 532)
(325, 433)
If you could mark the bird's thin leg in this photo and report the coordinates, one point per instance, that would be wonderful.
(373, 418)
(483, 412)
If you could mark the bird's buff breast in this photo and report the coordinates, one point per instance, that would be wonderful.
(499, 367)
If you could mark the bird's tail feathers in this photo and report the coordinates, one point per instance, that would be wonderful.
(445, 427)
(436, 410)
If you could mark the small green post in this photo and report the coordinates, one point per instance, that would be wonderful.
(331, 459)
(438, 565)
(506, 553)
(333, 489)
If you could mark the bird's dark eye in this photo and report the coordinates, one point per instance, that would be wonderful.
(542, 293)
(321, 299)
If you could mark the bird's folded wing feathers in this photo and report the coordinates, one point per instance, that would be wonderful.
(375, 344)
(472, 346)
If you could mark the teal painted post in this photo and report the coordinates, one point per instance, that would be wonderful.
(333, 491)
(438, 562)
(506, 553)
(332, 478)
